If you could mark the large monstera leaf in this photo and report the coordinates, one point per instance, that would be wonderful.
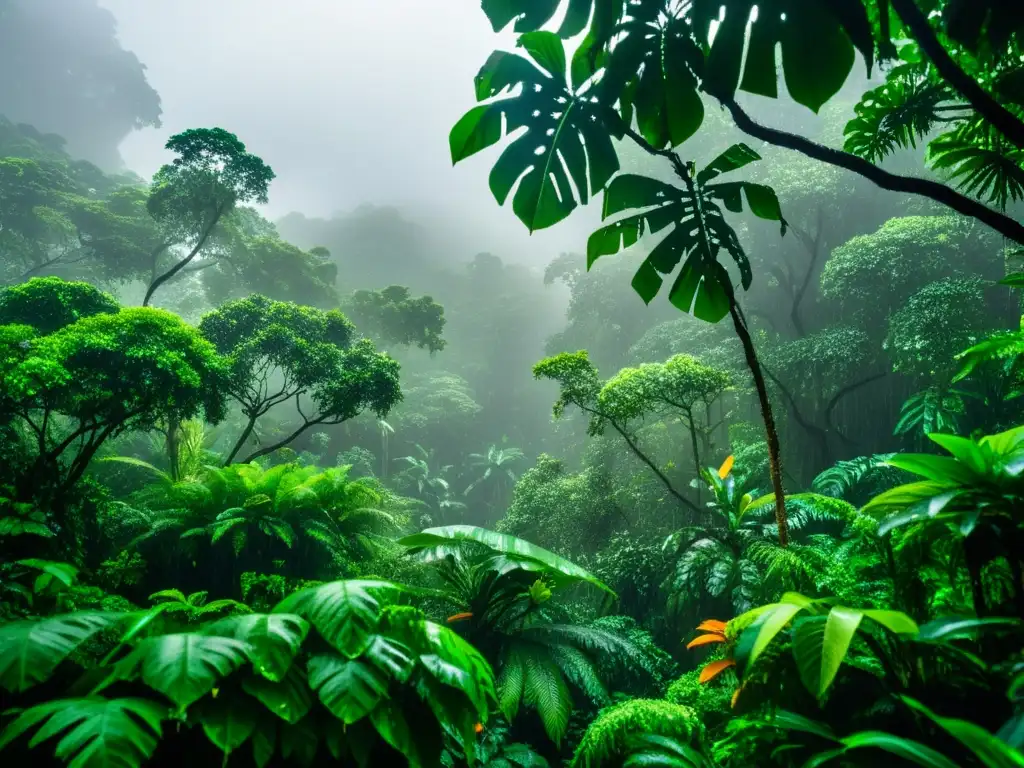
(698, 231)
(531, 15)
(565, 154)
(817, 42)
(653, 72)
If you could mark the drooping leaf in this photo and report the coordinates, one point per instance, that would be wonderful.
(349, 688)
(31, 650)
(564, 156)
(343, 612)
(184, 667)
(228, 724)
(94, 732)
(289, 699)
(273, 639)
(504, 543)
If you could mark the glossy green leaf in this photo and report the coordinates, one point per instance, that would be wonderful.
(94, 732)
(184, 667)
(30, 650)
(228, 723)
(820, 645)
(343, 612)
(563, 158)
(501, 542)
(273, 639)
(289, 698)
(349, 688)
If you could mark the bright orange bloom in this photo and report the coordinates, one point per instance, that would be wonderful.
(714, 669)
(726, 468)
(479, 728)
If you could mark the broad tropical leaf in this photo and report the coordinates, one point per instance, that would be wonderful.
(564, 155)
(343, 612)
(349, 688)
(653, 71)
(289, 699)
(94, 732)
(31, 650)
(504, 543)
(228, 724)
(273, 639)
(698, 232)
(184, 667)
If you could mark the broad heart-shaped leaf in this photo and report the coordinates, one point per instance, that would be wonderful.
(504, 543)
(273, 639)
(565, 154)
(349, 688)
(653, 72)
(31, 650)
(94, 732)
(183, 667)
(228, 722)
(343, 612)
(817, 42)
(289, 699)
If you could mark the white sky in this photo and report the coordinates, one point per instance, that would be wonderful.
(350, 101)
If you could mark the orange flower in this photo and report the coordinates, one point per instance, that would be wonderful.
(726, 468)
(705, 640)
(479, 728)
(714, 669)
(459, 617)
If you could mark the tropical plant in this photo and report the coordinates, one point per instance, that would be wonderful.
(314, 520)
(503, 588)
(975, 492)
(496, 472)
(735, 559)
(612, 736)
(342, 669)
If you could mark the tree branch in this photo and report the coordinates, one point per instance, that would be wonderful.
(995, 113)
(843, 393)
(203, 237)
(933, 190)
(644, 458)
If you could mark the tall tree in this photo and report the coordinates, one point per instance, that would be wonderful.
(211, 175)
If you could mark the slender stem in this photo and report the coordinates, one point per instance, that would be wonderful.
(940, 193)
(774, 447)
(203, 237)
(644, 458)
(995, 113)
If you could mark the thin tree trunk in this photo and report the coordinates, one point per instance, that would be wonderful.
(774, 449)
(241, 440)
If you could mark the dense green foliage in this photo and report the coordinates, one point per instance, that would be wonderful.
(318, 508)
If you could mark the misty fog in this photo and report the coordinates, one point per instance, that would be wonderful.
(350, 102)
